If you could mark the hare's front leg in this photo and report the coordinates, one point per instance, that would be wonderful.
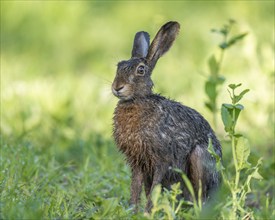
(136, 187)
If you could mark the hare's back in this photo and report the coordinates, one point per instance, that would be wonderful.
(173, 115)
(181, 128)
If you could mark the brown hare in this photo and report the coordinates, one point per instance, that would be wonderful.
(157, 134)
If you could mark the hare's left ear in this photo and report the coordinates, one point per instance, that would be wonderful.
(162, 42)
(141, 44)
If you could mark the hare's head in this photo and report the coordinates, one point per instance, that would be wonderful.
(133, 76)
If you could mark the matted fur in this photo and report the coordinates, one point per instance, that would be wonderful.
(157, 134)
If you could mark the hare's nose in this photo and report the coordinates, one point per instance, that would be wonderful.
(119, 88)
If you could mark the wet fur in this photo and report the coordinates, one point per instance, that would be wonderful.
(157, 134)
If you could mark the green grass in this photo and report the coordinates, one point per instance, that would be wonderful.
(58, 158)
(39, 185)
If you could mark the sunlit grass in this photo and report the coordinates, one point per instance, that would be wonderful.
(58, 158)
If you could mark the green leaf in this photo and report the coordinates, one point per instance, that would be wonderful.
(232, 41)
(242, 153)
(234, 86)
(108, 206)
(156, 194)
(256, 175)
(189, 186)
(238, 135)
(175, 187)
(235, 39)
(220, 80)
(226, 117)
(240, 96)
(209, 106)
(228, 106)
(211, 150)
(223, 45)
(239, 106)
(213, 65)
(210, 90)
(237, 109)
(232, 21)
(244, 92)
(224, 31)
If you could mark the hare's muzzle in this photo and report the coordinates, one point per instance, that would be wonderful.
(118, 89)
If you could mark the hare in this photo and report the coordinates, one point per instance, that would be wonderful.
(157, 134)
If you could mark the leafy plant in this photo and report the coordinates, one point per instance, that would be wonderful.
(215, 78)
(239, 187)
(167, 205)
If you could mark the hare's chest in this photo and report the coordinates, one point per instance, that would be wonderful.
(128, 125)
(134, 127)
(133, 136)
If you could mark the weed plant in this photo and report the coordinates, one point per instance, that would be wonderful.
(215, 79)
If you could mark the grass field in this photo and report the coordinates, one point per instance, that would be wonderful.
(58, 60)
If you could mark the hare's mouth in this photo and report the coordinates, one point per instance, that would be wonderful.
(122, 93)
(123, 97)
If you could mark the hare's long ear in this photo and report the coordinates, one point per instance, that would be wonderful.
(162, 42)
(141, 44)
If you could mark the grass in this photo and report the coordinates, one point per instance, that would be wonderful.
(40, 186)
(58, 158)
(82, 182)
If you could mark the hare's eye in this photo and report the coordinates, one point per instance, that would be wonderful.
(141, 70)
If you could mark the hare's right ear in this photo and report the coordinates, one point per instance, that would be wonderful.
(162, 42)
(141, 44)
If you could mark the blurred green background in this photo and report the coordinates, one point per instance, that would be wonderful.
(58, 60)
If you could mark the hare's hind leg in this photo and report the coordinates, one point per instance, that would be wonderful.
(202, 171)
(158, 175)
(147, 184)
(196, 171)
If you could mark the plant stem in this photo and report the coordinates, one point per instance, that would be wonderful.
(235, 204)
(233, 139)
(216, 77)
(220, 62)
(234, 190)
(237, 176)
